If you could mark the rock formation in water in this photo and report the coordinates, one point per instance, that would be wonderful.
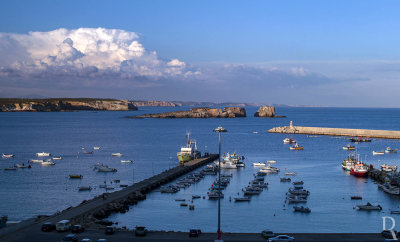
(70, 104)
(267, 112)
(229, 112)
(156, 104)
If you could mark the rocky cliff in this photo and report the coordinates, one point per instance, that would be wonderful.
(57, 105)
(229, 112)
(267, 112)
(156, 104)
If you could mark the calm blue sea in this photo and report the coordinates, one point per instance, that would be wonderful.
(153, 143)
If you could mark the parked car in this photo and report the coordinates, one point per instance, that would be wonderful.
(70, 238)
(77, 228)
(110, 230)
(266, 234)
(140, 231)
(193, 233)
(46, 227)
(63, 225)
(388, 233)
(281, 238)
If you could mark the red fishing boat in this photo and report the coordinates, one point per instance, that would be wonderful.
(359, 170)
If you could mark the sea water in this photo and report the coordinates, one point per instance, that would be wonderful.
(152, 144)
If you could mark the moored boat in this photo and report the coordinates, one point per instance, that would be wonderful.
(23, 166)
(5, 156)
(85, 188)
(189, 151)
(242, 199)
(296, 147)
(126, 161)
(290, 173)
(302, 209)
(369, 207)
(47, 163)
(259, 164)
(43, 154)
(359, 170)
(75, 176)
(356, 198)
(361, 139)
(57, 158)
(36, 161)
(289, 141)
(13, 168)
(284, 179)
(378, 152)
(116, 154)
(96, 148)
(389, 150)
(349, 147)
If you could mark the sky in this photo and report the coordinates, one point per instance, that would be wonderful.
(322, 53)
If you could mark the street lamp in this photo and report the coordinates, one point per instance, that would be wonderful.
(219, 130)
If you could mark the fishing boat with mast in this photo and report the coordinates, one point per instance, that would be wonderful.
(189, 151)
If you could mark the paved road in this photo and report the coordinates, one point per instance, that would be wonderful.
(121, 236)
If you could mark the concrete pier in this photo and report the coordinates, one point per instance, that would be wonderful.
(385, 134)
(89, 212)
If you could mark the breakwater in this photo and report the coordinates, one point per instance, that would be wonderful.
(91, 212)
(385, 134)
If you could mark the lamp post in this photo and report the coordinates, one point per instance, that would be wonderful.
(219, 130)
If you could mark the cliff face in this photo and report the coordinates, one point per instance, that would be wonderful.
(67, 105)
(229, 112)
(267, 112)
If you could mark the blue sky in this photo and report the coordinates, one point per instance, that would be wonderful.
(259, 51)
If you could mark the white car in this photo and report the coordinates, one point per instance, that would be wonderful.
(281, 238)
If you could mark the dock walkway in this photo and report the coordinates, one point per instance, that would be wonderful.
(370, 133)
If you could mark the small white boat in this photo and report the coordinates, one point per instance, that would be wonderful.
(389, 150)
(36, 161)
(43, 154)
(5, 156)
(297, 200)
(271, 161)
(290, 173)
(126, 161)
(298, 191)
(57, 158)
(116, 154)
(369, 207)
(105, 168)
(47, 163)
(259, 164)
(23, 166)
(378, 152)
(96, 148)
(289, 141)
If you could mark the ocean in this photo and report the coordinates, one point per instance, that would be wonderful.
(152, 144)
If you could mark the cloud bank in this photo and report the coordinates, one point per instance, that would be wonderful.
(113, 63)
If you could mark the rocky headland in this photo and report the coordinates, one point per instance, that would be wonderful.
(228, 112)
(67, 104)
(267, 112)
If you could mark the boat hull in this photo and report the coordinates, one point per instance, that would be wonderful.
(359, 174)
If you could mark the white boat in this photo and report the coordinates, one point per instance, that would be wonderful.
(378, 152)
(47, 163)
(369, 207)
(268, 170)
(36, 161)
(116, 154)
(105, 168)
(255, 132)
(290, 173)
(271, 161)
(259, 164)
(215, 194)
(388, 168)
(226, 164)
(4, 156)
(240, 164)
(297, 200)
(43, 154)
(389, 150)
(96, 148)
(23, 166)
(57, 158)
(289, 141)
(298, 191)
(126, 161)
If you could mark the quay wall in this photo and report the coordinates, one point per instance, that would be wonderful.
(385, 134)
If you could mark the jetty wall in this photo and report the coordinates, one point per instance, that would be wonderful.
(385, 134)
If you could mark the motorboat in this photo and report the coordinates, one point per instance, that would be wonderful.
(126, 161)
(388, 168)
(215, 194)
(57, 158)
(23, 166)
(271, 161)
(75, 176)
(268, 170)
(356, 198)
(298, 182)
(47, 163)
(240, 164)
(299, 191)
(196, 196)
(394, 211)
(88, 152)
(180, 199)
(96, 148)
(259, 164)
(116, 154)
(284, 179)
(36, 161)
(349, 163)
(297, 199)
(13, 168)
(255, 132)
(369, 207)
(289, 141)
(389, 150)
(242, 199)
(349, 147)
(42, 154)
(359, 140)
(302, 209)
(388, 188)
(290, 173)
(296, 147)
(105, 168)
(5, 156)
(378, 152)
(85, 188)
